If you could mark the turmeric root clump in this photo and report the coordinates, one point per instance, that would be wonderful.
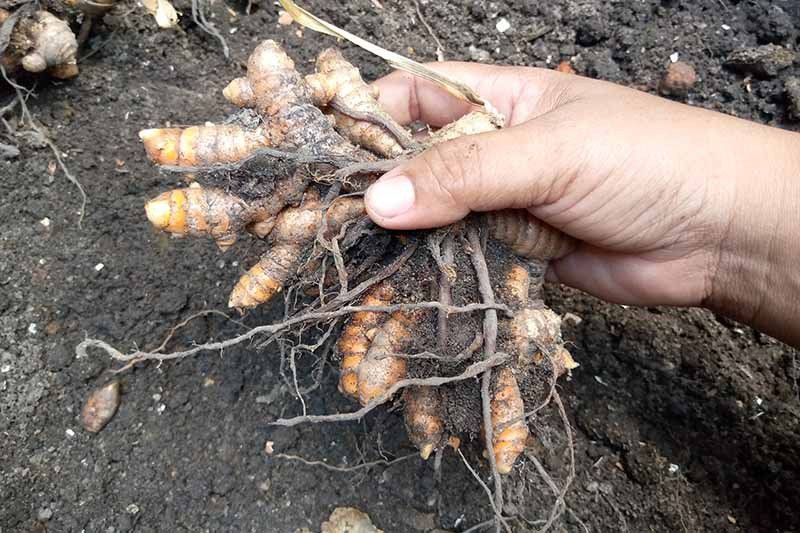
(42, 42)
(283, 168)
(294, 230)
(337, 84)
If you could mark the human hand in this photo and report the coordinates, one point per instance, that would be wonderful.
(673, 205)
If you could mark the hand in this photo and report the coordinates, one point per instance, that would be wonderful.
(674, 205)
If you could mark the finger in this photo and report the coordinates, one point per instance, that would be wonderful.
(627, 279)
(516, 92)
(508, 168)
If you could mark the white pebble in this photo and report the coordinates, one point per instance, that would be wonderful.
(503, 25)
(70, 433)
(673, 468)
(156, 397)
(99, 266)
(45, 222)
(5, 369)
(132, 509)
(32, 328)
(160, 409)
(675, 57)
(726, 27)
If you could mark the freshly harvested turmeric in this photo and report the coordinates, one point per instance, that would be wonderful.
(423, 417)
(381, 368)
(198, 211)
(100, 407)
(472, 123)
(508, 424)
(322, 121)
(279, 94)
(208, 145)
(42, 42)
(357, 336)
(527, 236)
(338, 84)
(294, 230)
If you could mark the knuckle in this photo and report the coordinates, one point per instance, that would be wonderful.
(449, 170)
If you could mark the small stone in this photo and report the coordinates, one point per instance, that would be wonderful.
(503, 25)
(565, 67)
(44, 514)
(132, 509)
(762, 61)
(32, 328)
(70, 433)
(678, 80)
(269, 447)
(674, 58)
(98, 267)
(479, 54)
(348, 519)
(45, 222)
(284, 18)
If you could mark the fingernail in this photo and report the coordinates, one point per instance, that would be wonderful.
(391, 196)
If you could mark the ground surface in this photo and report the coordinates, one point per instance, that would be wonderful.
(186, 450)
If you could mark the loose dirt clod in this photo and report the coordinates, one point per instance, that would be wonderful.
(678, 80)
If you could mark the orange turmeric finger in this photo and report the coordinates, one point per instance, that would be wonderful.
(358, 115)
(527, 236)
(294, 230)
(357, 336)
(209, 145)
(381, 369)
(509, 428)
(198, 211)
(423, 420)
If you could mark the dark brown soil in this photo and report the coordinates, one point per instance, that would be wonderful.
(683, 421)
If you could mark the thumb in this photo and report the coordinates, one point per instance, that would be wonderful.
(486, 172)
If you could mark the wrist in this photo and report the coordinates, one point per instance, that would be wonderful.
(757, 275)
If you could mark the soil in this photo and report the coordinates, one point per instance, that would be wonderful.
(682, 421)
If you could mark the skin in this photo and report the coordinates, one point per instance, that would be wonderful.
(673, 205)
